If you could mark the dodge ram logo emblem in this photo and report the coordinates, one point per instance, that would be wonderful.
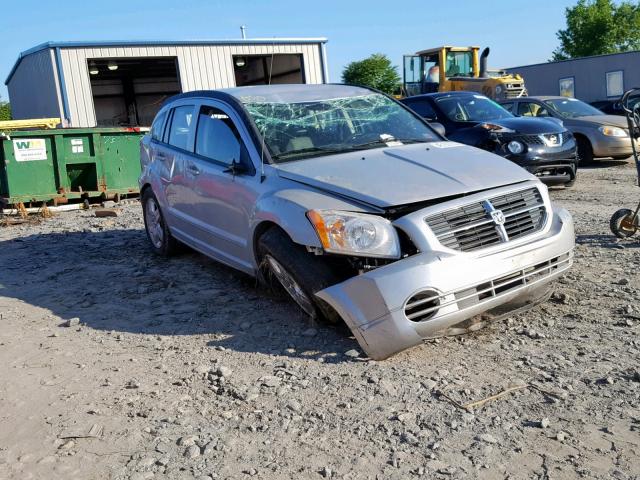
(498, 217)
(553, 139)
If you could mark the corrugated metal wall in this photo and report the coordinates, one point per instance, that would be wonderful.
(33, 88)
(590, 75)
(201, 67)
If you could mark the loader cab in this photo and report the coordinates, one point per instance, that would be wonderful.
(431, 70)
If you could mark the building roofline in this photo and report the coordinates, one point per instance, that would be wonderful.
(574, 59)
(145, 43)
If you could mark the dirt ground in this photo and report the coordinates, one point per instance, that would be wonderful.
(184, 369)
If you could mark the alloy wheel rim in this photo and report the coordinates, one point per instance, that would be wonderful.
(154, 224)
(290, 285)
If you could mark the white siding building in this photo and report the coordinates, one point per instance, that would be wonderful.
(90, 84)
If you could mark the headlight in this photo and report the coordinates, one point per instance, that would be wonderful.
(498, 89)
(355, 233)
(496, 128)
(515, 147)
(613, 131)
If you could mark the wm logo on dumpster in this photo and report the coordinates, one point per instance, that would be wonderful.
(28, 144)
(26, 150)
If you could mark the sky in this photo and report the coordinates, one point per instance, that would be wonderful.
(518, 32)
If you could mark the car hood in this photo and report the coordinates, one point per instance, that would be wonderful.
(529, 125)
(613, 120)
(393, 176)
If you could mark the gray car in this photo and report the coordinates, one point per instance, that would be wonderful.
(597, 134)
(351, 204)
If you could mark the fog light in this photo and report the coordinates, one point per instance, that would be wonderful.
(515, 147)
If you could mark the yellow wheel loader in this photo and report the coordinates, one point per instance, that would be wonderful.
(449, 69)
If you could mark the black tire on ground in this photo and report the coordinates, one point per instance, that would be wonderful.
(570, 183)
(616, 223)
(160, 239)
(585, 152)
(311, 273)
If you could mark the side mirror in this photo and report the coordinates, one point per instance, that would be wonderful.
(438, 127)
(236, 168)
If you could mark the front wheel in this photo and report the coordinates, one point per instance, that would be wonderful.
(571, 182)
(623, 223)
(299, 273)
(160, 238)
(585, 152)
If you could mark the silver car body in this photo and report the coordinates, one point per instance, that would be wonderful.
(222, 215)
(588, 126)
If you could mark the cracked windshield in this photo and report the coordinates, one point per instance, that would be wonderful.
(297, 130)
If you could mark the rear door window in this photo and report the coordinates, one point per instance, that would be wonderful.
(157, 127)
(181, 126)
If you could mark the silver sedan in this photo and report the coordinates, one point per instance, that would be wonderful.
(353, 206)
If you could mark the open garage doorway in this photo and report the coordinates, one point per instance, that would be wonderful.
(265, 69)
(130, 91)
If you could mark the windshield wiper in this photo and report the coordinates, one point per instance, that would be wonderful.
(305, 151)
(386, 142)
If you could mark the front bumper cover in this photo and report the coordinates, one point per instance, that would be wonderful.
(553, 173)
(604, 146)
(373, 304)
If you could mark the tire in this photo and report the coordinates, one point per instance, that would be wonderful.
(619, 227)
(585, 152)
(160, 239)
(571, 182)
(287, 266)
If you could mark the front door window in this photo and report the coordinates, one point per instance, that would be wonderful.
(530, 109)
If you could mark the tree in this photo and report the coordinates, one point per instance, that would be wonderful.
(375, 71)
(5, 110)
(596, 27)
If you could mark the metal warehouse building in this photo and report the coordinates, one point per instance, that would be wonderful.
(601, 77)
(90, 84)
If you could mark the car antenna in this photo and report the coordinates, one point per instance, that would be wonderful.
(262, 176)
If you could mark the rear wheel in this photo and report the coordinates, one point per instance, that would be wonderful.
(160, 238)
(585, 152)
(622, 223)
(300, 274)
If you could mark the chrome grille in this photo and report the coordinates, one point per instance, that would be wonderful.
(515, 90)
(485, 223)
(536, 139)
(426, 304)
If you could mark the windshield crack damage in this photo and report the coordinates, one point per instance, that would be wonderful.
(292, 131)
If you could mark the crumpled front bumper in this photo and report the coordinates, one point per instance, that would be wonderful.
(373, 304)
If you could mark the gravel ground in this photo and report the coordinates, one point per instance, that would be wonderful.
(115, 364)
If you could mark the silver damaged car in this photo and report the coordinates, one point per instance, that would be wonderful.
(351, 204)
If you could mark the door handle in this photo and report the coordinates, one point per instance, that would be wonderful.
(193, 169)
(160, 156)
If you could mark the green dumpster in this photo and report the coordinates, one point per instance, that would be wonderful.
(57, 165)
